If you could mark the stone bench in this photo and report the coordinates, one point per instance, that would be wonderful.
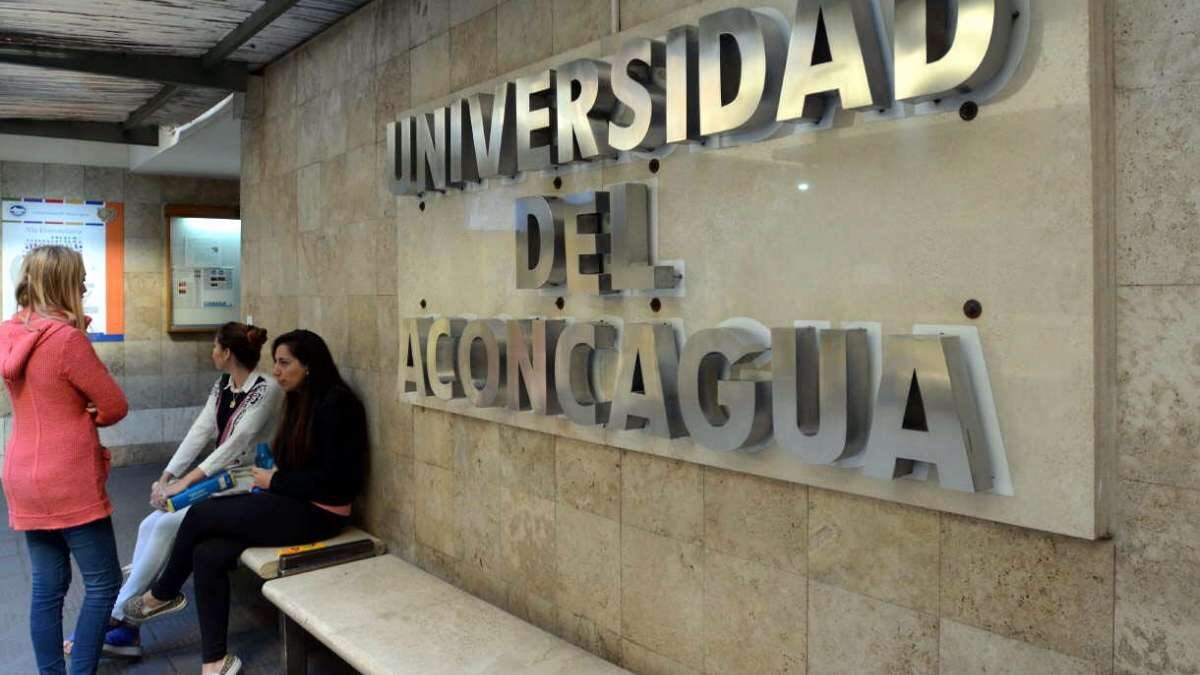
(383, 615)
(264, 560)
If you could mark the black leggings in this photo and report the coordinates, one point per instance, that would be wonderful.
(212, 537)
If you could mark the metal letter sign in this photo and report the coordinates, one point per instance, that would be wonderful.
(740, 70)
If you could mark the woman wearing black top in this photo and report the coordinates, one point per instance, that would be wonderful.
(321, 454)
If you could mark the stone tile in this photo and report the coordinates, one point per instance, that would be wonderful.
(143, 391)
(1157, 598)
(393, 92)
(360, 203)
(143, 254)
(527, 28)
(585, 634)
(364, 339)
(185, 189)
(143, 357)
(635, 12)
(428, 19)
(756, 518)
(588, 551)
(310, 199)
(477, 519)
(578, 22)
(482, 581)
(878, 549)
(473, 51)
(143, 188)
(144, 323)
(310, 146)
(589, 477)
(253, 139)
(1157, 206)
(356, 243)
(113, 354)
(663, 496)
(392, 32)
(1157, 391)
(333, 182)
(536, 610)
(437, 563)
(527, 542)
(1048, 590)
(854, 634)
(144, 289)
(279, 94)
(145, 220)
(359, 37)
(432, 441)
(527, 461)
(360, 109)
(465, 10)
(333, 123)
(430, 78)
(641, 660)
(1155, 43)
(280, 155)
(22, 179)
(387, 327)
(182, 356)
(435, 517)
(965, 649)
(387, 277)
(64, 181)
(754, 617)
(104, 183)
(476, 449)
(662, 597)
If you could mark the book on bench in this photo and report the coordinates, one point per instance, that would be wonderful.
(307, 557)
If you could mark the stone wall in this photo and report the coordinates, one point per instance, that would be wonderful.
(166, 378)
(670, 567)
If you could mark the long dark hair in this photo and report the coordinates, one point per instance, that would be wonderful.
(244, 340)
(293, 445)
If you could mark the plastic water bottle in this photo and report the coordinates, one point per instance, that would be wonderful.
(263, 459)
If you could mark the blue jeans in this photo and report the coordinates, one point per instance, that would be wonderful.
(50, 551)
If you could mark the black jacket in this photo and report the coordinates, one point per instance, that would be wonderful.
(337, 469)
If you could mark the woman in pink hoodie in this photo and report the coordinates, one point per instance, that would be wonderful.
(54, 465)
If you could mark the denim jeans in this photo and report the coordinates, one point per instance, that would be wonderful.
(95, 550)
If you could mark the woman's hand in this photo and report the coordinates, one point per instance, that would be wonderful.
(172, 489)
(262, 477)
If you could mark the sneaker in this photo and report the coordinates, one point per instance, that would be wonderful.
(123, 642)
(231, 666)
(136, 612)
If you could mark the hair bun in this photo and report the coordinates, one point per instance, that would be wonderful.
(256, 336)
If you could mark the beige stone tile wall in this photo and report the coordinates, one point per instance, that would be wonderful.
(669, 567)
(166, 378)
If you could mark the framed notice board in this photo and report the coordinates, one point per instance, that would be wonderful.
(93, 228)
(204, 267)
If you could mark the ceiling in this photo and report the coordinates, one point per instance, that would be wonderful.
(114, 70)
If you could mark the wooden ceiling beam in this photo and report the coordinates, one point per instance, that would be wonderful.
(247, 29)
(176, 70)
(104, 132)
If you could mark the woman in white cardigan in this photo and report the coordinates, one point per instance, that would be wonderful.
(241, 412)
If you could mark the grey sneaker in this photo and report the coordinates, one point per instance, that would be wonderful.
(136, 611)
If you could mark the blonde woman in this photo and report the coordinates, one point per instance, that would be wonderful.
(54, 465)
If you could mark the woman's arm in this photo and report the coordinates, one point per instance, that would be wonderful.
(87, 373)
(203, 430)
(261, 409)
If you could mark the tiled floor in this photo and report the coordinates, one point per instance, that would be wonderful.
(172, 644)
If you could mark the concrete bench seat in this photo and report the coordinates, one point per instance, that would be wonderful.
(384, 615)
(264, 560)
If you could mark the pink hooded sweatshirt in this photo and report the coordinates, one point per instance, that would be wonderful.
(54, 465)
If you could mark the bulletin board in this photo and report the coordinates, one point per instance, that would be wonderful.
(96, 229)
(204, 267)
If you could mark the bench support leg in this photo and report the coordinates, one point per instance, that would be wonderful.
(295, 639)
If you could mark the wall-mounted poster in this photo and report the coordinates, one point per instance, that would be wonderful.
(205, 263)
(94, 228)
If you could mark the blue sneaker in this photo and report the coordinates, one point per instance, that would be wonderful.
(123, 641)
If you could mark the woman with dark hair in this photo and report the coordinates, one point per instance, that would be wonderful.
(241, 412)
(321, 457)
